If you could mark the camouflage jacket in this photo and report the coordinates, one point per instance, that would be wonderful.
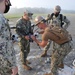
(65, 20)
(23, 27)
(7, 52)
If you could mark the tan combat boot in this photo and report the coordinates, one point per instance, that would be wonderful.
(48, 74)
(61, 65)
(26, 67)
(44, 54)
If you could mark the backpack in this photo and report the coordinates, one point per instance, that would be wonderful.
(59, 35)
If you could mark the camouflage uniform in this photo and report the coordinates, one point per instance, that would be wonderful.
(7, 53)
(58, 55)
(24, 28)
(59, 52)
(52, 21)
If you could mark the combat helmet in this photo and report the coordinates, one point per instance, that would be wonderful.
(57, 8)
(39, 19)
(29, 13)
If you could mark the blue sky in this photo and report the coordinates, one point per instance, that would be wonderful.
(65, 4)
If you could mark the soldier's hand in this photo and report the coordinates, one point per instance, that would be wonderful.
(15, 71)
(27, 37)
(51, 26)
(33, 37)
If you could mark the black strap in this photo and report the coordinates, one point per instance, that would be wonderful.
(52, 16)
(61, 20)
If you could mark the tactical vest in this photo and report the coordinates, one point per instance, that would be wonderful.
(60, 18)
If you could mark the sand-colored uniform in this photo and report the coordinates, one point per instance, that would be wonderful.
(59, 53)
(7, 52)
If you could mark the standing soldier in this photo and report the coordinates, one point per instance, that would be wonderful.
(63, 22)
(7, 52)
(23, 29)
(61, 45)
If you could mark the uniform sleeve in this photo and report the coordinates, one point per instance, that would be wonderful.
(66, 22)
(7, 47)
(45, 36)
(20, 29)
(11, 54)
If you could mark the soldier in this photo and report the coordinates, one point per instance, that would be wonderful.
(60, 49)
(23, 29)
(7, 52)
(63, 22)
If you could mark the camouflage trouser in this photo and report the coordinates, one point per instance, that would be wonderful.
(46, 48)
(5, 68)
(25, 49)
(60, 51)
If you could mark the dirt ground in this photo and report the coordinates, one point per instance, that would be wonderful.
(40, 64)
